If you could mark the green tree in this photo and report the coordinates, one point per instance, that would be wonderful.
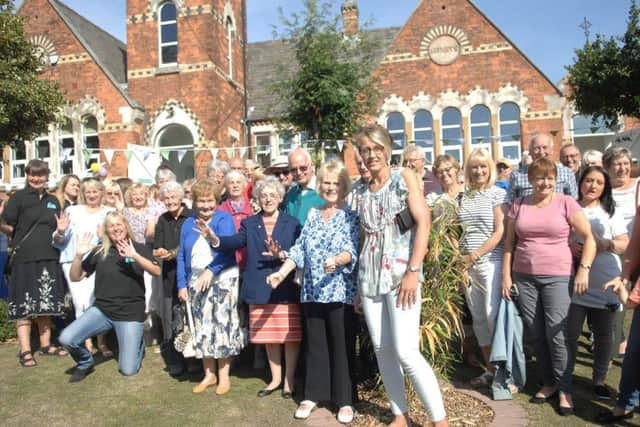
(27, 103)
(605, 77)
(329, 90)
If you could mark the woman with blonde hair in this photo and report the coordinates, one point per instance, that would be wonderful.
(481, 214)
(68, 190)
(118, 263)
(113, 197)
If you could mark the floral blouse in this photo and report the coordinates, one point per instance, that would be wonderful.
(320, 240)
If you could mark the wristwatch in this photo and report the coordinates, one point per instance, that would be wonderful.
(414, 269)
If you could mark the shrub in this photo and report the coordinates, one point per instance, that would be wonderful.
(7, 327)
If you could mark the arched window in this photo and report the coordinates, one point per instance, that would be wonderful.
(452, 133)
(180, 156)
(66, 148)
(230, 35)
(168, 34)
(423, 132)
(480, 127)
(395, 126)
(510, 134)
(90, 140)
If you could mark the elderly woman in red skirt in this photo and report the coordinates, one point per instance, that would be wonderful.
(274, 313)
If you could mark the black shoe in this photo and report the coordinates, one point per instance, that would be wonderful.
(540, 400)
(608, 417)
(602, 392)
(80, 374)
(267, 391)
(563, 411)
(287, 394)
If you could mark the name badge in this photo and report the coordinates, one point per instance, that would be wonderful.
(51, 205)
(129, 260)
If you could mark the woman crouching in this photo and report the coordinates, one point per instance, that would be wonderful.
(118, 264)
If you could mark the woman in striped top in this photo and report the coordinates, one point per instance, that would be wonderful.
(274, 314)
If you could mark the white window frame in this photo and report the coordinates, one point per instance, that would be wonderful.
(18, 162)
(35, 149)
(396, 153)
(509, 144)
(282, 149)
(59, 147)
(94, 154)
(427, 151)
(453, 148)
(230, 33)
(162, 45)
(262, 149)
(486, 145)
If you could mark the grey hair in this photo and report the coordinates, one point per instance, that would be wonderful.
(614, 153)
(414, 149)
(218, 165)
(268, 182)
(591, 156)
(165, 174)
(234, 174)
(535, 137)
(171, 187)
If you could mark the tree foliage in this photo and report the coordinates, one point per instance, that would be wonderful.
(605, 77)
(27, 103)
(330, 89)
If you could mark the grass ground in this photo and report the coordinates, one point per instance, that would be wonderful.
(42, 396)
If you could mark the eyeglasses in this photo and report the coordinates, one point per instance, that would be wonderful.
(282, 172)
(444, 171)
(367, 152)
(299, 169)
(112, 193)
(269, 196)
(416, 159)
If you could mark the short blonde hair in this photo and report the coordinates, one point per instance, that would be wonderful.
(479, 155)
(205, 187)
(94, 183)
(338, 168)
(377, 134)
(133, 189)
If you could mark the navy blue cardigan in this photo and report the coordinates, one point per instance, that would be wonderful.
(252, 235)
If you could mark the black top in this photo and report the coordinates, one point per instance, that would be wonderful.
(168, 237)
(119, 283)
(25, 208)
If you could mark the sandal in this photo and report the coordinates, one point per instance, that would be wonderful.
(27, 362)
(57, 351)
(305, 409)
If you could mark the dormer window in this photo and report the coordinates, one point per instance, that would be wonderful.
(168, 29)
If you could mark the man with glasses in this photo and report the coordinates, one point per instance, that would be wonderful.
(280, 169)
(570, 157)
(302, 195)
(414, 158)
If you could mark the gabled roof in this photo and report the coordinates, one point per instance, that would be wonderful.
(265, 62)
(107, 51)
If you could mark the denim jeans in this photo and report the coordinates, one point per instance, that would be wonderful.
(629, 392)
(94, 322)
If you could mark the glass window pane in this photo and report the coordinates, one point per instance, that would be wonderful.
(510, 132)
(169, 33)
(92, 142)
(480, 114)
(42, 149)
(19, 151)
(455, 154)
(424, 138)
(511, 152)
(395, 121)
(480, 135)
(66, 128)
(451, 116)
(422, 119)
(398, 141)
(168, 12)
(170, 54)
(509, 111)
(89, 124)
(452, 136)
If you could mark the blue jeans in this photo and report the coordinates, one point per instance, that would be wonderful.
(630, 377)
(94, 322)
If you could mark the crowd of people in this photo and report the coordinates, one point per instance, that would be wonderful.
(288, 258)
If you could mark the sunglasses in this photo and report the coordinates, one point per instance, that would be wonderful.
(282, 172)
(300, 169)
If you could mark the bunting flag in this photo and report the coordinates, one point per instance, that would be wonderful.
(66, 152)
(594, 129)
(108, 154)
(340, 144)
(214, 153)
(86, 153)
(553, 132)
(181, 154)
(243, 151)
(165, 154)
(229, 152)
(127, 154)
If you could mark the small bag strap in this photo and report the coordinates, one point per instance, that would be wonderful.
(190, 317)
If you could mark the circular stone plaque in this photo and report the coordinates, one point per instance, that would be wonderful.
(444, 50)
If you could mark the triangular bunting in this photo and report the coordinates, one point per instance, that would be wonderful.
(86, 153)
(516, 137)
(214, 153)
(243, 151)
(66, 152)
(165, 154)
(340, 144)
(229, 153)
(108, 154)
(127, 154)
(594, 129)
(553, 132)
(181, 154)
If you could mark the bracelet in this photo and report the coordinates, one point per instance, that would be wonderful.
(585, 266)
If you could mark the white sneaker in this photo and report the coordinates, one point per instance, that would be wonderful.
(345, 414)
(305, 409)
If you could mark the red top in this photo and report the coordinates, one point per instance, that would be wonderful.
(238, 213)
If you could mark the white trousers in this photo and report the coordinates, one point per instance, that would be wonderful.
(82, 292)
(483, 299)
(394, 333)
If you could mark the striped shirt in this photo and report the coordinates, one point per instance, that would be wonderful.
(520, 186)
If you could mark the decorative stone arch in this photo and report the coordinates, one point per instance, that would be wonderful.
(154, 5)
(451, 98)
(88, 104)
(421, 101)
(394, 104)
(480, 96)
(510, 93)
(174, 112)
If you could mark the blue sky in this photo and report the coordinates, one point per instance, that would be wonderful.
(546, 30)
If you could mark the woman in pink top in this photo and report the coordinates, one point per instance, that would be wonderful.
(237, 204)
(537, 259)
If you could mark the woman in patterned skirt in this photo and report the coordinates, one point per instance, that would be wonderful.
(209, 279)
(36, 285)
(274, 314)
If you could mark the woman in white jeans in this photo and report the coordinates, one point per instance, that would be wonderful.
(481, 214)
(390, 270)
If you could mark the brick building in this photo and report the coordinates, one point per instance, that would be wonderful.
(176, 93)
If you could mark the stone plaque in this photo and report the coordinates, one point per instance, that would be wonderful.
(444, 50)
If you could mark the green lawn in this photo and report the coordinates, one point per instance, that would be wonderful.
(42, 396)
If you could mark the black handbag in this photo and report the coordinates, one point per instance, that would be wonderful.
(405, 220)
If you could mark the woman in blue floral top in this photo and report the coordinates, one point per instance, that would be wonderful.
(327, 251)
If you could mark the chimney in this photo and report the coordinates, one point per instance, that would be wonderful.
(350, 17)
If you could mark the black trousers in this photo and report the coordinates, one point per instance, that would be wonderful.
(328, 357)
